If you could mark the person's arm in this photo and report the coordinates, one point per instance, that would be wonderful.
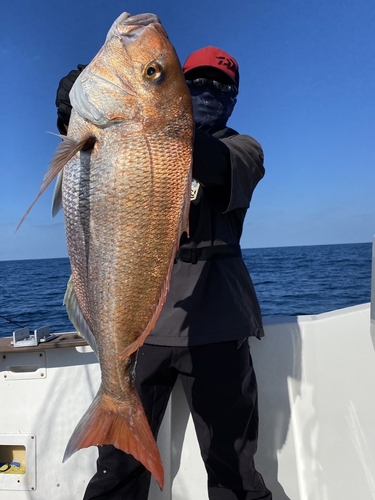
(228, 168)
(247, 169)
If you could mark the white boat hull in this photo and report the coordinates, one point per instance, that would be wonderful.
(316, 376)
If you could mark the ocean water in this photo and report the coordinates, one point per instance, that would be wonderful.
(310, 279)
(288, 281)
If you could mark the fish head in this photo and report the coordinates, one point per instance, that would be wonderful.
(136, 74)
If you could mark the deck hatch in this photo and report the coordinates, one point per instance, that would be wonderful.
(17, 462)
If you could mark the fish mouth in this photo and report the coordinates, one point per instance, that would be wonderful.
(129, 28)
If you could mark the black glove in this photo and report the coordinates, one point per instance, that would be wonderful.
(63, 105)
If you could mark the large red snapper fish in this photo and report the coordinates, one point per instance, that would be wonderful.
(124, 176)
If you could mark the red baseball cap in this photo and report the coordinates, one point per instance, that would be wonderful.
(215, 58)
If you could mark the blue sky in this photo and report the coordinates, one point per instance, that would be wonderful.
(307, 95)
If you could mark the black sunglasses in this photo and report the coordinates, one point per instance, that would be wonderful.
(211, 82)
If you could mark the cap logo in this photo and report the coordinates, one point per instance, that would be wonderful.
(226, 61)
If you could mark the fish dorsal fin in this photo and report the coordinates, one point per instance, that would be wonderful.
(64, 152)
(76, 317)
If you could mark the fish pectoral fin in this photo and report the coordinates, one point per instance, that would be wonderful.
(76, 317)
(125, 426)
(64, 152)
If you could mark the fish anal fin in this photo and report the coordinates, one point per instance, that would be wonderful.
(126, 427)
(64, 152)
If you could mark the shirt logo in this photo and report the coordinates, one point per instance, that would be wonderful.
(194, 190)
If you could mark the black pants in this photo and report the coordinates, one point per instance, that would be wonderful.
(220, 387)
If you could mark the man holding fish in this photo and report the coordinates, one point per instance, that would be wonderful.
(198, 329)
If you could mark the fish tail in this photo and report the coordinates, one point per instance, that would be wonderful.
(128, 430)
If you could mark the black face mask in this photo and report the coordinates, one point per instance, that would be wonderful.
(211, 108)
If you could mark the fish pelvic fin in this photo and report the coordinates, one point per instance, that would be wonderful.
(64, 152)
(57, 194)
(128, 430)
(76, 317)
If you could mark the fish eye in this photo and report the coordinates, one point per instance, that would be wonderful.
(153, 71)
